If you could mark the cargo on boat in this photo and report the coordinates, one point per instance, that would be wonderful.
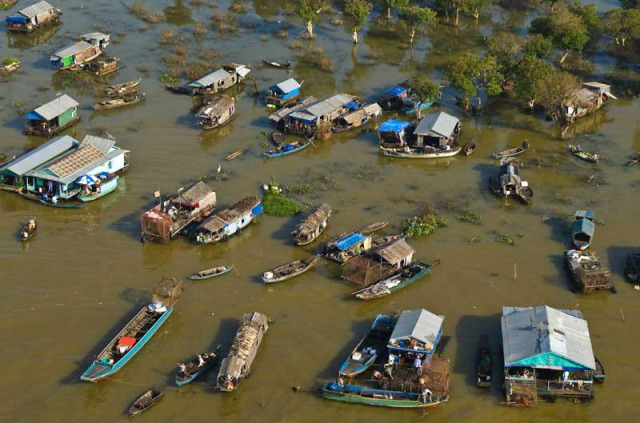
(216, 112)
(357, 118)
(227, 222)
(77, 55)
(585, 100)
(29, 230)
(284, 93)
(105, 66)
(587, 272)
(370, 348)
(236, 366)
(123, 89)
(289, 270)
(547, 355)
(33, 17)
(312, 226)
(583, 229)
(509, 183)
(115, 103)
(346, 246)
(316, 119)
(196, 367)
(399, 279)
(52, 117)
(128, 342)
(577, 151)
(169, 217)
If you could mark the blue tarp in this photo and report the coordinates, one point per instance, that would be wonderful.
(33, 116)
(396, 90)
(290, 94)
(396, 126)
(288, 147)
(16, 19)
(257, 210)
(352, 105)
(350, 241)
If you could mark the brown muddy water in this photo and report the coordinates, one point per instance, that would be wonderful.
(71, 288)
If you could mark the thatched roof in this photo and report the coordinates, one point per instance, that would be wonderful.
(317, 216)
(194, 193)
(395, 252)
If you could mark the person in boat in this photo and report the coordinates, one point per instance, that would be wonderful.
(183, 368)
(31, 224)
(447, 147)
(417, 365)
(200, 360)
(427, 395)
(340, 382)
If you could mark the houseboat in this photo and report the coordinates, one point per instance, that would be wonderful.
(283, 93)
(357, 118)
(217, 112)
(400, 279)
(509, 183)
(312, 226)
(13, 173)
(436, 136)
(316, 119)
(277, 117)
(547, 355)
(52, 117)
(77, 55)
(395, 134)
(589, 98)
(78, 171)
(33, 17)
(583, 229)
(587, 272)
(410, 378)
(370, 348)
(377, 264)
(225, 223)
(214, 82)
(169, 217)
(126, 344)
(393, 98)
(236, 366)
(346, 246)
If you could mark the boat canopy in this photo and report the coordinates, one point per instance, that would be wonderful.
(396, 91)
(349, 241)
(416, 331)
(167, 291)
(585, 214)
(396, 126)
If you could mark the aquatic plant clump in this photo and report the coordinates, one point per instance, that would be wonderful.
(275, 204)
(8, 61)
(470, 217)
(139, 9)
(419, 226)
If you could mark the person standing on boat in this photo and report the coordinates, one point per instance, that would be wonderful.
(183, 368)
(417, 365)
(426, 394)
(200, 360)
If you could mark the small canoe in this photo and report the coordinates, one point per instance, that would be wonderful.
(599, 374)
(114, 103)
(289, 270)
(277, 138)
(469, 148)
(484, 366)
(29, 230)
(234, 155)
(512, 151)
(286, 66)
(103, 189)
(634, 160)
(584, 155)
(210, 273)
(286, 149)
(145, 401)
(121, 89)
(414, 153)
(374, 227)
(196, 368)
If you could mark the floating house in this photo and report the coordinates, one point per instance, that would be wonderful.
(583, 229)
(589, 98)
(438, 130)
(13, 173)
(33, 17)
(52, 117)
(395, 133)
(509, 183)
(59, 177)
(417, 332)
(219, 80)
(317, 118)
(277, 117)
(393, 98)
(358, 118)
(216, 112)
(547, 354)
(378, 263)
(225, 223)
(587, 272)
(284, 93)
(346, 246)
(312, 226)
(78, 54)
(170, 217)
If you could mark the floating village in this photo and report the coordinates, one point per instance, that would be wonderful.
(530, 353)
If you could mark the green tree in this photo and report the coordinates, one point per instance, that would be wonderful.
(397, 4)
(468, 74)
(630, 4)
(309, 11)
(358, 11)
(475, 7)
(566, 30)
(531, 75)
(450, 6)
(424, 88)
(417, 18)
(552, 4)
(622, 24)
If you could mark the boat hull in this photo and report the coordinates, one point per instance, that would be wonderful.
(409, 155)
(359, 395)
(196, 277)
(106, 188)
(193, 377)
(285, 153)
(426, 269)
(293, 274)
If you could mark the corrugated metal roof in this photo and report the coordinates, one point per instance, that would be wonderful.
(395, 252)
(40, 155)
(213, 224)
(329, 105)
(420, 324)
(372, 109)
(288, 85)
(531, 331)
(56, 107)
(440, 123)
(102, 144)
(303, 116)
(69, 168)
(71, 50)
(585, 213)
(396, 126)
(36, 9)
(98, 36)
(211, 78)
(216, 107)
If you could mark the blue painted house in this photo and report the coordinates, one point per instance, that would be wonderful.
(225, 223)
(284, 93)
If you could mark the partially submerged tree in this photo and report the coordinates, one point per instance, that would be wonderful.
(566, 30)
(552, 4)
(622, 25)
(469, 74)
(455, 7)
(309, 11)
(418, 18)
(424, 88)
(397, 4)
(358, 11)
(475, 7)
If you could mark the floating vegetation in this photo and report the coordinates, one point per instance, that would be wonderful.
(168, 79)
(199, 29)
(237, 7)
(472, 239)
(470, 216)
(8, 61)
(424, 224)
(167, 36)
(144, 68)
(301, 189)
(505, 239)
(224, 23)
(139, 10)
(276, 204)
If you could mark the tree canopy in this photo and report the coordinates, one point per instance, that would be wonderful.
(417, 18)
(358, 11)
(622, 24)
(468, 74)
(424, 88)
(564, 28)
(309, 11)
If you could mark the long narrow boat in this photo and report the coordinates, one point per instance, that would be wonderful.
(135, 334)
(277, 138)
(234, 155)
(469, 148)
(599, 375)
(29, 230)
(196, 368)
(289, 270)
(115, 103)
(145, 401)
(584, 155)
(38, 199)
(102, 190)
(210, 273)
(286, 149)
(634, 160)
(395, 282)
(370, 347)
(374, 227)
(378, 397)
(286, 66)
(409, 153)
(512, 152)
(121, 89)
(484, 367)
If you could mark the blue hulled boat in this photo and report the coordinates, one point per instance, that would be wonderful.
(369, 348)
(195, 368)
(286, 149)
(583, 229)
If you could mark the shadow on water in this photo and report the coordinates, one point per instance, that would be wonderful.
(617, 256)
(283, 233)
(562, 279)
(560, 229)
(360, 329)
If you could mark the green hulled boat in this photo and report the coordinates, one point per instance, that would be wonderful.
(378, 397)
(403, 278)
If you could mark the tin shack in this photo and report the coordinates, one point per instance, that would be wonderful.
(317, 118)
(52, 117)
(80, 53)
(589, 98)
(283, 93)
(438, 130)
(225, 223)
(217, 112)
(220, 80)
(395, 133)
(33, 17)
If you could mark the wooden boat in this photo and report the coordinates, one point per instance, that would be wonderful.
(583, 229)
(98, 191)
(217, 112)
(586, 156)
(512, 152)
(145, 401)
(236, 366)
(29, 230)
(114, 103)
(422, 153)
(196, 368)
(587, 272)
(286, 149)
(374, 227)
(277, 138)
(210, 273)
(121, 89)
(312, 226)
(484, 367)
(60, 205)
(136, 333)
(401, 279)
(632, 267)
(289, 270)
(599, 375)
(286, 66)
(508, 183)
(469, 148)
(634, 160)
(183, 89)
(410, 106)
(379, 397)
(234, 155)
(370, 347)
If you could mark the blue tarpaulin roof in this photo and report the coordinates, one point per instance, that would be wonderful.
(352, 105)
(396, 90)
(33, 116)
(396, 126)
(349, 241)
(16, 19)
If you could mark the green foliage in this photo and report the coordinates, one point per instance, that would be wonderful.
(276, 204)
(468, 74)
(505, 239)
(419, 226)
(8, 61)
(418, 18)
(308, 10)
(358, 11)
(538, 46)
(470, 216)
(167, 79)
(424, 88)
(301, 189)
(394, 4)
(622, 24)
(566, 29)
